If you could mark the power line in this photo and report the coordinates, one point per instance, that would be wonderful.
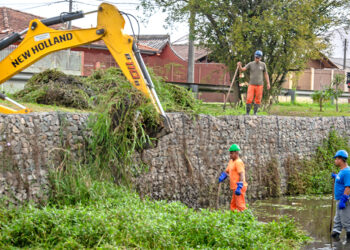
(95, 5)
(43, 5)
(21, 3)
(27, 3)
(118, 2)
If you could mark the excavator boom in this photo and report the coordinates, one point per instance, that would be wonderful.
(40, 40)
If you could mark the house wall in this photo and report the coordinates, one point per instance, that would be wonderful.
(168, 65)
(174, 69)
(323, 78)
(313, 79)
(94, 59)
(314, 64)
(304, 82)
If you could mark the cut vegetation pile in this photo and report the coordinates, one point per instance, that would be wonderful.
(53, 87)
(125, 121)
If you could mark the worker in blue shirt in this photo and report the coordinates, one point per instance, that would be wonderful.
(341, 195)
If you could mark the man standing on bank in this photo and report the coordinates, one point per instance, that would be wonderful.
(235, 171)
(257, 69)
(341, 195)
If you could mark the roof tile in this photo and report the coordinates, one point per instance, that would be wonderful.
(182, 51)
(154, 41)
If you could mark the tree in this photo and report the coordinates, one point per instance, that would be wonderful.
(334, 90)
(178, 11)
(320, 97)
(287, 31)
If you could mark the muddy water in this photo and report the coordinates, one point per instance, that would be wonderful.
(312, 213)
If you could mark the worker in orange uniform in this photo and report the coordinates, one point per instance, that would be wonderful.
(235, 170)
(258, 71)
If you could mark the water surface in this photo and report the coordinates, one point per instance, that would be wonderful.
(312, 213)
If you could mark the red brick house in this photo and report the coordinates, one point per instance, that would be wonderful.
(170, 61)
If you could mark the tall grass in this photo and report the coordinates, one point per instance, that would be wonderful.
(313, 176)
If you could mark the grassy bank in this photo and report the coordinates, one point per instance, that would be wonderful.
(282, 109)
(66, 93)
(115, 217)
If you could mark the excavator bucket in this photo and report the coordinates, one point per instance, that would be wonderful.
(124, 50)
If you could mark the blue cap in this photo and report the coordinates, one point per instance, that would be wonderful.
(341, 153)
(258, 53)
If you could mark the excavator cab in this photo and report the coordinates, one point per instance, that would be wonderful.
(40, 40)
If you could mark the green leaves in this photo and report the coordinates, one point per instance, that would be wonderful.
(116, 217)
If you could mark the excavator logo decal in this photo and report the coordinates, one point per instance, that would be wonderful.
(41, 46)
(132, 69)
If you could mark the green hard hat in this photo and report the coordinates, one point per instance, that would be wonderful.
(234, 147)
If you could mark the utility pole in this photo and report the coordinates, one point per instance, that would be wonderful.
(70, 10)
(69, 27)
(345, 47)
(190, 67)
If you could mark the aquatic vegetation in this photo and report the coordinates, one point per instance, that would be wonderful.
(116, 217)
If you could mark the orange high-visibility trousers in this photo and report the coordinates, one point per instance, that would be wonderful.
(256, 90)
(238, 201)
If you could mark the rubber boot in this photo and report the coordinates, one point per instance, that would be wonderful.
(347, 237)
(248, 107)
(256, 107)
(335, 236)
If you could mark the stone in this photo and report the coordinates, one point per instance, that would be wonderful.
(15, 130)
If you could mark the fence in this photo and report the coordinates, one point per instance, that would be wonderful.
(223, 89)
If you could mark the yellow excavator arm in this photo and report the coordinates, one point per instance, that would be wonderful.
(40, 40)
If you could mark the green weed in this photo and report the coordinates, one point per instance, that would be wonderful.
(116, 217)
(313, 176)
